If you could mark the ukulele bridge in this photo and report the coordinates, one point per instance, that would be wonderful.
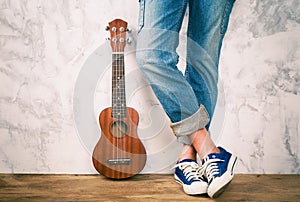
(119, 161)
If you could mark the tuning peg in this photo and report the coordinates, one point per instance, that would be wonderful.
(107, 28)
(129, 40)
(107, 39)
(129, 30)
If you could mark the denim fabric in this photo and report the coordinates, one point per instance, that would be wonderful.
(189, 99)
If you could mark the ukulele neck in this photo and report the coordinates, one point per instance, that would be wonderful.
(118, 86)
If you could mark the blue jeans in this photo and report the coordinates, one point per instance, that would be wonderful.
(189, 99)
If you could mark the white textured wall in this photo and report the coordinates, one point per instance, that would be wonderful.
(55, 79)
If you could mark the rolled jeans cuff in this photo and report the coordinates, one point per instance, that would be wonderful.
(182, 129)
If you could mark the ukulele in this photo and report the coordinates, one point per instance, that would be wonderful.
(119, 153)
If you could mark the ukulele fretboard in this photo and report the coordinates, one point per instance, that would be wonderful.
(118, 86)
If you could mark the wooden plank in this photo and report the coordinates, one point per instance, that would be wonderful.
(141, 188)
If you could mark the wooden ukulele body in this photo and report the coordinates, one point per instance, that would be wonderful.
(119, 153)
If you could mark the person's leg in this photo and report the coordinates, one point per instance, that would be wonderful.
(208, 21)
(158, 38)
(203, 144)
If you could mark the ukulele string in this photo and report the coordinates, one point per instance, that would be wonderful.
(118, 91)
(119, 100)
(119, 97)
(115, 94)
(123, 97)
(122, 88)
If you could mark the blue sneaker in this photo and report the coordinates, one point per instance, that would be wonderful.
(187, 174)
(218, 170)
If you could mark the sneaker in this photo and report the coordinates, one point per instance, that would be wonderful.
(218, 170)
(187, 174)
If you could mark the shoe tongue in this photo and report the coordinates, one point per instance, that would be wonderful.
(211, 156)
(186, 160)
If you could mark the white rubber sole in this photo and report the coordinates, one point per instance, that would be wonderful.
(196, 188)
(218, 184)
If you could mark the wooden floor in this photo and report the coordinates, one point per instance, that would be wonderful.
(141, 188)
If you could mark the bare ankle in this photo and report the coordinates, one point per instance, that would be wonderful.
(188, 152)
(203, 143)
(215, 150)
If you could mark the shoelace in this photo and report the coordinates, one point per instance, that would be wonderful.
(210, 168)
(190, 170)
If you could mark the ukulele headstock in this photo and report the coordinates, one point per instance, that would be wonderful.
(117, 29)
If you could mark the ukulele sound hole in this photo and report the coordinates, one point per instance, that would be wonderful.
(119, 129)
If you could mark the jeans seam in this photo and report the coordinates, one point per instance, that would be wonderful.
(179, 23)
(225, 14)
(141, 15)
